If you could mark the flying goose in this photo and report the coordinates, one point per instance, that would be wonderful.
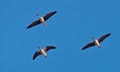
(43, 51)
(42, 19)
(96, 41)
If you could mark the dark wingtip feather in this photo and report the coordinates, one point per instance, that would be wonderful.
(54, 47)
(29, 27)
(109, 34)
(83, 48)
(55, 11)
(33, 58)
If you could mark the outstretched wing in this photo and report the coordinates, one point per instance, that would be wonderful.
(48, 15)
(34, 23)
(103, 37)
(36, 54)
(49, 47)
(88, 45)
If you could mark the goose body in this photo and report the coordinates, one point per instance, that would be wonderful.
(41, 19)
(96, 41)
(43, 51)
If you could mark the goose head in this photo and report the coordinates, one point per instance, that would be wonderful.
(38, 15)
(39, 47)
(93, 38)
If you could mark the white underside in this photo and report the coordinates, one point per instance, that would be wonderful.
(97, 43)
(43, 52)
(43, 21)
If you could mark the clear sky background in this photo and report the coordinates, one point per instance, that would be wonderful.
(69, 30)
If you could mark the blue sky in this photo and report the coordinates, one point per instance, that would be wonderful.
(69, 30)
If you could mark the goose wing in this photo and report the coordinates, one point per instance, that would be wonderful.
(48, 15)
(34, 23)
(49, 47)
(88, 45)
(36, 54)
(103, 37)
